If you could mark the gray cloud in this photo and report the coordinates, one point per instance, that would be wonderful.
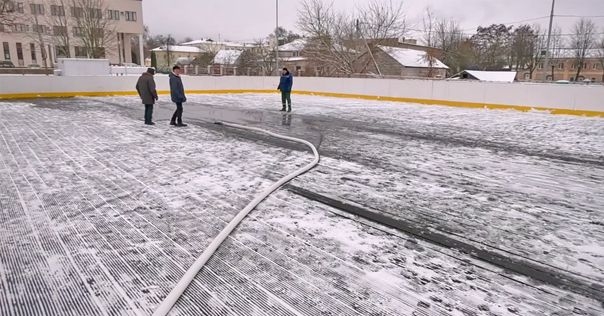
(253, 19)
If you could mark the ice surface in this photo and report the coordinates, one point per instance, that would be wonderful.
(102, 215)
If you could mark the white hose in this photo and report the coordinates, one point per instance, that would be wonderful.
(182, 285)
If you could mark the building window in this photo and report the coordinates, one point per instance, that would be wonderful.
(540, 66)
(12, 7)
(78, 31)
(32, 48)
(596, 66)
(549, 78)
(61, 51)
(573, 66)
(6, 50)
(42, 29)
(80, 52)
(77, 12)
(561, 66)
(21, 28)
(57, 10)
(2, 27)
(113, 15)
(59, 30)
(95, 13)
(37, 8)
(19, 51)
(131, 16)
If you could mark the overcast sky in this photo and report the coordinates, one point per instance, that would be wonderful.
(247, 20)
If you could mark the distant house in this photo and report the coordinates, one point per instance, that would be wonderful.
(167, 56)
(291, 57)
(216, 46)
(225, 62)
(563, 66)
(403, 62)
(491, 76)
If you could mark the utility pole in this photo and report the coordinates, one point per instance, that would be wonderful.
(549, 40)
(277, 36)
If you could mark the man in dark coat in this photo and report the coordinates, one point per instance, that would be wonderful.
(146, 90)
(285, 86)
(177, 91)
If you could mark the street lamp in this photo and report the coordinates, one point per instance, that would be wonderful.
(277, 35)
(549, 39)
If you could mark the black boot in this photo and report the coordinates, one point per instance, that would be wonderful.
(283, 109)
(289, 108)
(172, 123)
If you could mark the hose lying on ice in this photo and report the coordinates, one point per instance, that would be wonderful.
(182, 285)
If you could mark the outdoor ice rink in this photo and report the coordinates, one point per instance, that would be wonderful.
(484, 212)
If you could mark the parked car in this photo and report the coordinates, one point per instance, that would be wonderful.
(7, 64)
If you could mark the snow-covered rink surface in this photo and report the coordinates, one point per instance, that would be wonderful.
(102, 215)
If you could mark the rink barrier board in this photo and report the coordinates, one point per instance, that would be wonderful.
(463, 104)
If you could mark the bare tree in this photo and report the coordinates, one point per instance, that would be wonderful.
(583, 40)
(384, 18)
(8, 13)
(95, 32)
(430, 23)
(536, 50)
(59, 20)
(325, 29)
(601, 56)
(266, 57)
(39, 34)
(337, 40)
(452, 43)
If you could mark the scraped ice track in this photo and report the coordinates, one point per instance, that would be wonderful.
(101, 216)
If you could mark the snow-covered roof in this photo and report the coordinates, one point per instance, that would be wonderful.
(493, 76)
(295, 46)
(297, 58)
(571, 53)
(210, 42)
(178, 48)
(412, 57)
(227, 56)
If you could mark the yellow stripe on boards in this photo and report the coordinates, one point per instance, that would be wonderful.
(313, 93)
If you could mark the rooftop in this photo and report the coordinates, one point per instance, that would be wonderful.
(178, 48)
(493, 76)
(295, 46)
(227, 56)
(412, 58)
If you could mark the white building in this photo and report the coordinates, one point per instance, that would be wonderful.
(43, 26)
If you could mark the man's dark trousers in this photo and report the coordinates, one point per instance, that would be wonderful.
(286, 100)
(177, 117)
(148, 113)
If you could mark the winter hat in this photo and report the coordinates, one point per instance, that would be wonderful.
(151, 71)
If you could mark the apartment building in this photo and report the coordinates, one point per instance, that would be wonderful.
(33, 29)
(563, 66)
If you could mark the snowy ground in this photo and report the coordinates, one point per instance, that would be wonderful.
(101, 215)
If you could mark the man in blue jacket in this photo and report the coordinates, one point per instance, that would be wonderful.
(177, 91)
(285, 86)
